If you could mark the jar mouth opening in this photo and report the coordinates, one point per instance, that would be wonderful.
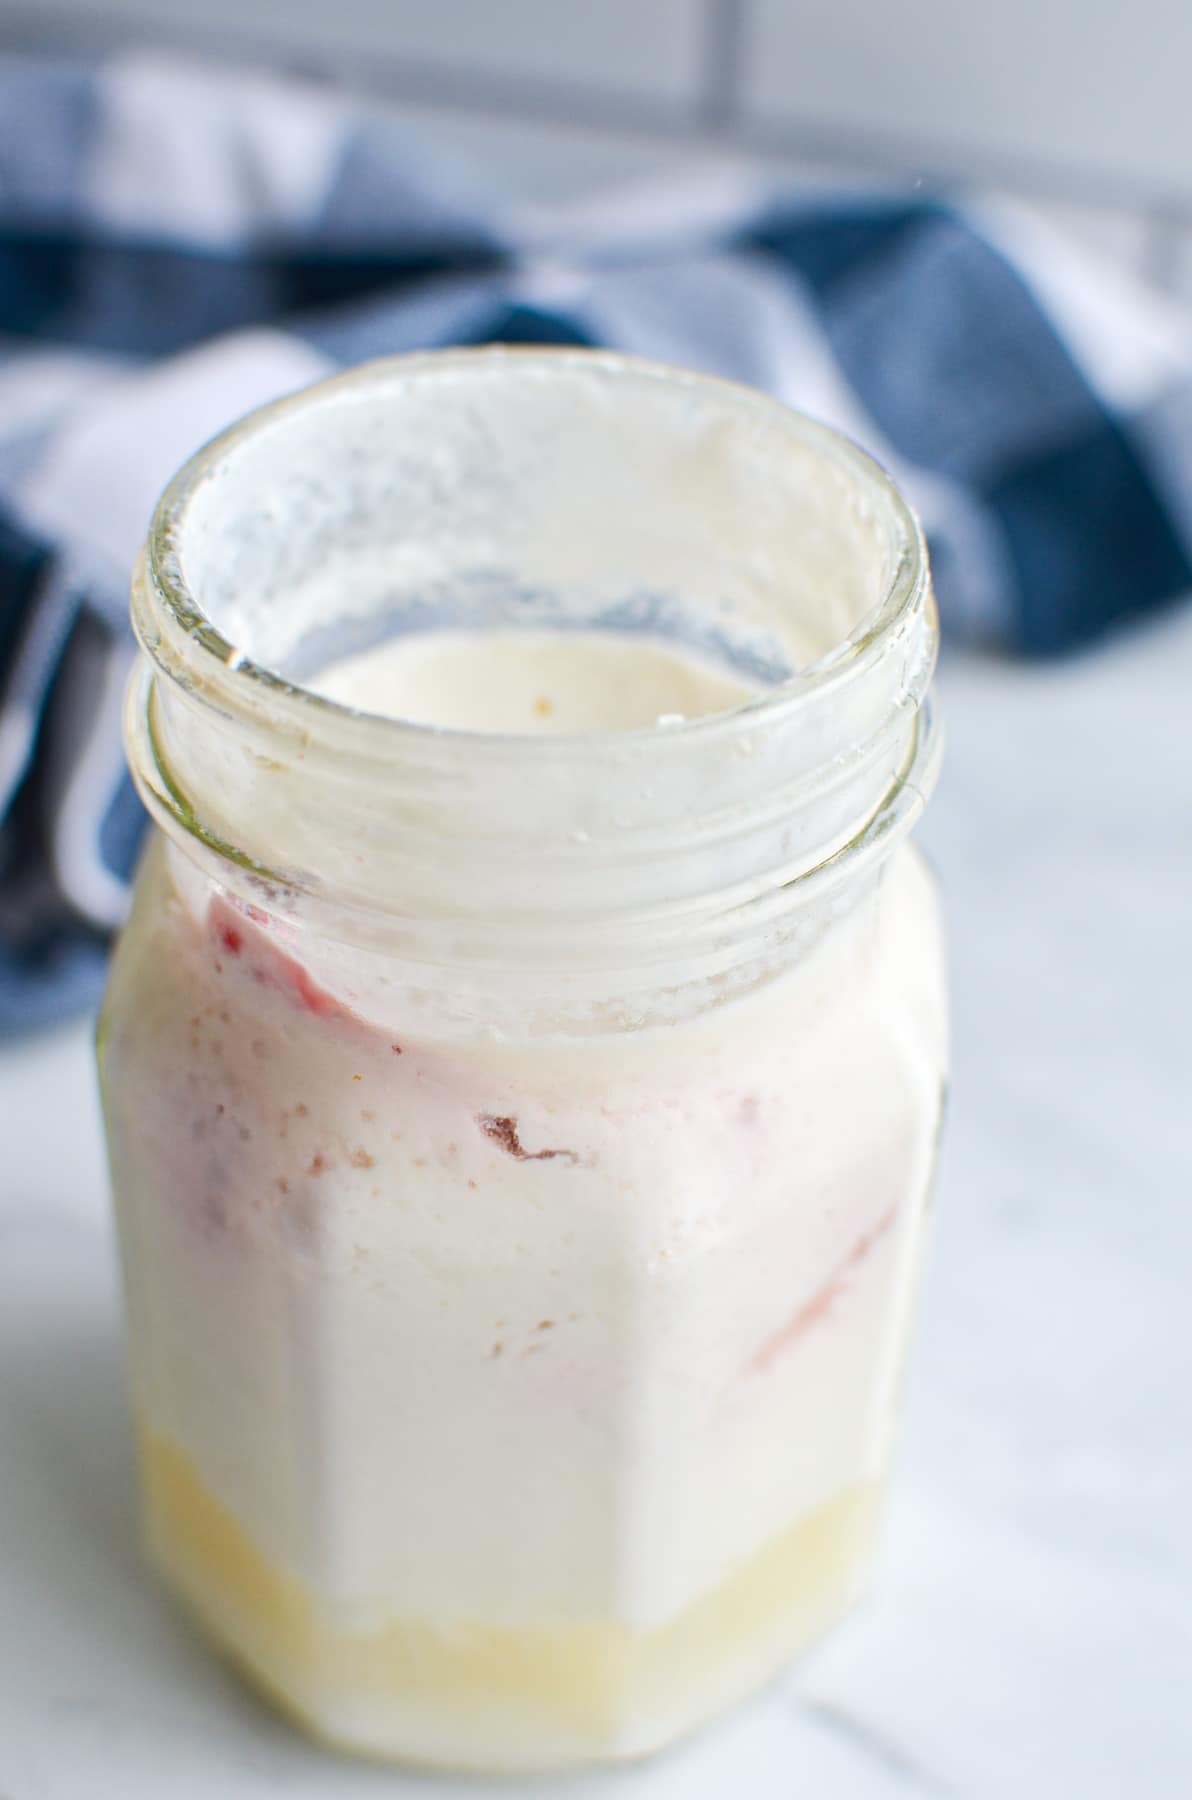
(186, 643)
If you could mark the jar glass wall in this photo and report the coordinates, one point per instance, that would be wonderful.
(521, 1143)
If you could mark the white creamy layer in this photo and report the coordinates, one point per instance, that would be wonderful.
(524, 1332)
(533, 683)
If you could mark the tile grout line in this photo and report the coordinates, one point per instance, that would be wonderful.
(724, 27)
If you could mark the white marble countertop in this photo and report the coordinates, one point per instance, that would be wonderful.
(1030, 1637)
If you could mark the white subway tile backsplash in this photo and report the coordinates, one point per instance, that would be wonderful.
(560, 99)
(644, 50)
(1090, 88)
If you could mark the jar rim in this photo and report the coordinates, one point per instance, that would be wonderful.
(238, 684)
(682, 854)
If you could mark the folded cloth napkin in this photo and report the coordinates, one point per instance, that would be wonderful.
(179, 243)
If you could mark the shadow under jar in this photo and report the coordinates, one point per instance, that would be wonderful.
(521, 1138)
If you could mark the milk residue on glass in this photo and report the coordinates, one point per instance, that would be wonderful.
(522, 1078)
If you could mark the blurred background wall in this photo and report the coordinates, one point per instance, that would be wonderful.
(1080, 104)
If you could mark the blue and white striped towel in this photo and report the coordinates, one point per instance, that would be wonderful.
(179, 243)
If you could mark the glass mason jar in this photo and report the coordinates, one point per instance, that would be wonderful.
(521, 1146)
